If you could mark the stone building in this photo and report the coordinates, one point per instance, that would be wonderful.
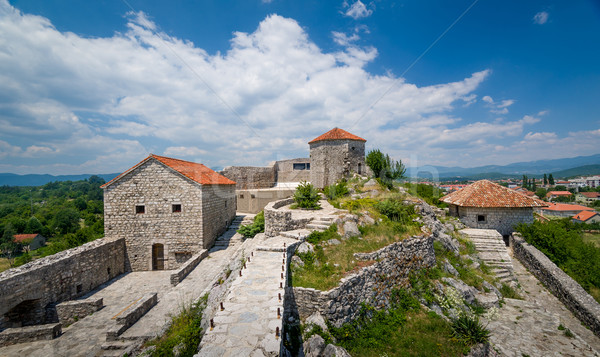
(335, 155)
(167, 210)
(487, 205)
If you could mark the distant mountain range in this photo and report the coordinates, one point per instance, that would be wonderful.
(39, 180)
(559, 168)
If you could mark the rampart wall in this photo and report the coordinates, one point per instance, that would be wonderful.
(249, 177)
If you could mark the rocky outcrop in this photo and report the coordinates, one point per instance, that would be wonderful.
(439, 231)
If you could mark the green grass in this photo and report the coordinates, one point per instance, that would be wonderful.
(593, 238)
(4, 265)
(185, 328)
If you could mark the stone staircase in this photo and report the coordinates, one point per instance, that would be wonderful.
(119, 348)
(493, 252)
(320, 223)
(231, 237)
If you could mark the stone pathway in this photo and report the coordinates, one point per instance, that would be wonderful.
(492, 250)
(530, 326)
(247, 325)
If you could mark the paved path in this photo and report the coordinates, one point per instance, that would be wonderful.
(247, 326)
(530, 326)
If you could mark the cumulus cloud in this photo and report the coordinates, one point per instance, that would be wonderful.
(71, 104)
(540, 18)
(357, 10)
(498, 107)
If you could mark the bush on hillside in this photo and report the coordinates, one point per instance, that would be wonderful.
(258, 226)
(337, 190)
(306, 196)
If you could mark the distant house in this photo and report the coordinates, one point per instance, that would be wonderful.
(561, 210)
(487, 205)
(587, 197)
(452, 188)
(554, 194)
(167, 210)
(524, 191)
(34, 241)
(593, 181)
(587, 217)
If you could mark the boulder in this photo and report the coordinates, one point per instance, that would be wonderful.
(371, 183)
(350, 229)
(333, 242)
(305, 247)
(314, 346)
(334, 351)
(449, 268)
(366, 220)
(297, 261)
(493, 289)
(467, 292)
(487, 300)
(317, 320)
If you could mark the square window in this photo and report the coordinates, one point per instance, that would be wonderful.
(176, 208)
(308, 166)
(480, 218)
(241, 196)
(140, 209)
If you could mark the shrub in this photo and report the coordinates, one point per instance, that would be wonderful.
(384, 168)
(336, 191)
(395, 210)
(306, 196)
(258, 226)
(469, 330)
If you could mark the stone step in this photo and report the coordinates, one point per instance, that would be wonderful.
(326, 219)
(319, 227)
(116, 345)
(299, 234)
(126, 351)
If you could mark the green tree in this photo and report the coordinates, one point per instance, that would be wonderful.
(306, 196)
(9, 234)
(525, 181)
(34, 225)
(66, 221)
(545, 179)
(541, 192)
(80, 204)
(550, 180)
(384, 168)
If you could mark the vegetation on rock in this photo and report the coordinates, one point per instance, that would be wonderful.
(258, 226)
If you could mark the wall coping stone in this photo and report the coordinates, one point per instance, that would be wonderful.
(12, 336)
(180, 274)
(130, 315)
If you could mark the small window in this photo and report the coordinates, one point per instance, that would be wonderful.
(176, 208)
(252, 196)
(241, 196)
(480, 218)
(353, 148)
(79, 288)
(302, 166)
(140, 209)
(308, 166)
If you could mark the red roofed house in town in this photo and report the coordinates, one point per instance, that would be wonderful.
(562, 210)
(34, 241)
(587, 197)
(167, 210)
(335, 155)
(554, 194)
(587, 217)
(487, 205)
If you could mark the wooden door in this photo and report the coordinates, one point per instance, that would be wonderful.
(158, 257)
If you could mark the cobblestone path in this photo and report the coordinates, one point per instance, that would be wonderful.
(247, 325)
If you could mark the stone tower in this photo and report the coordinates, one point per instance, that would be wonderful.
(335, 155)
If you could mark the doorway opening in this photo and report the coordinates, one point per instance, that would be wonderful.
(158, 257)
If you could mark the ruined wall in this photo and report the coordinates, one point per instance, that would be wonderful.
(332, 160)
(287, 173)
(372, 285)
(254, 201)
(205, 210)
(501, 219)
(248, 177)
(29, 293)
(218, 211)
(277, 220)
(558, 282)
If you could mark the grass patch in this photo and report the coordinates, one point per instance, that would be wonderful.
(4, 264)
(508, 292)
(185, 330)
(592, 238)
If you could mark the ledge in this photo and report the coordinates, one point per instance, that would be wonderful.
(180, 274)
(12, 336)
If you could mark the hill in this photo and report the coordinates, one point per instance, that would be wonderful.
(587, 170)
(7, 179)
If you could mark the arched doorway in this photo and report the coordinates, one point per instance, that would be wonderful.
(158, 257)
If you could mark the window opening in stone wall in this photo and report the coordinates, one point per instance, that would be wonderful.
(140, 209)
(241, 196)
(308, 166)
(302, 166)
(359, 169)
(176, 208)
(480, 218)
(79, 288)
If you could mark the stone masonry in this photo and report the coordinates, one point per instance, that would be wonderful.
(501, 219)
(250, 177)
(28, 294)
(204, 213)
(332, 160)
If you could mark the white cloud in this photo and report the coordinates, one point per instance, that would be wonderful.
(342, 39)
(498, 108)
(540, 18)
(183, 151)
(357, 10)
(488, 99)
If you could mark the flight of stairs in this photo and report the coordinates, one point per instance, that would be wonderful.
(320, 223)
(493, 252)
(231, 237)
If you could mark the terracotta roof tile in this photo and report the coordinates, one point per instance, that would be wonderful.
(559, 193)
(590, 194)
(336, 134)
(24, 237)
(485, 193)
(193, 171)
(584, 215)
(566, 207)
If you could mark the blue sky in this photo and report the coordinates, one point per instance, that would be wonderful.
(95, 86)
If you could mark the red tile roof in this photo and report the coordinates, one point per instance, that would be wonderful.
(336, 134)
(566, 207)
(584, 215)
(558, 193)
(590, 194)
(485, 193)
(20, 238)
(193, 171)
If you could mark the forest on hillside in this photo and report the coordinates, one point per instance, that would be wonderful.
(67, 214)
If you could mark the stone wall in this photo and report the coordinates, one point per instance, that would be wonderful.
(277, 220)
(74, 310)
(178, 275)
(248, 177)
(372, 285)
(204, 212)
(332, 160)
(131, 315)
(30, 333)
(254, 201)
(567, 290)
(501, 219)
(286, 172)
(28, 293)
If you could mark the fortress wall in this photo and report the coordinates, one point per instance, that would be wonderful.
(248, 177)
(28, 293)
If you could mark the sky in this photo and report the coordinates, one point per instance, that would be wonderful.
(96, 86)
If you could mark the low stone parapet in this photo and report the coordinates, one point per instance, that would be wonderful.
(71, 311)
(180, 274)
(567, 290)
(13, 336)
(130, 315)
(277, 220)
